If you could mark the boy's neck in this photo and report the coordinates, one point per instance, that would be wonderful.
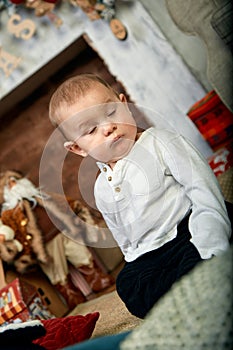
(139, 134)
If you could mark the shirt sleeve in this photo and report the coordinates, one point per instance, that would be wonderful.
(209, 223)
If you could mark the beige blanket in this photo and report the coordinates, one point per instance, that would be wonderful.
(114, 317)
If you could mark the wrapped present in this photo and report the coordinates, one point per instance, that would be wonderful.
(221, 160)
(20, 302)
(213, 120)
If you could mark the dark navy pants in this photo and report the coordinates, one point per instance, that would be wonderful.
(143, 281)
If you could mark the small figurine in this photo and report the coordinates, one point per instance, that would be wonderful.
(41, 8)
(103, 9)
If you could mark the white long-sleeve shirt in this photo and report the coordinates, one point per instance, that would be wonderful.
(147, 194)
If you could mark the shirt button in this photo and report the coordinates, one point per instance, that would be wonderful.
(109, 178)
(117, 189)
(104, 169)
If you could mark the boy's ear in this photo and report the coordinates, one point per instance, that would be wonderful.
(73, 147)
(122, 98)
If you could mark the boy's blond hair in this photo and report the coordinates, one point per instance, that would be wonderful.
(69, 92)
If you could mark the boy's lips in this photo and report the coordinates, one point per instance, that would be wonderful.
(117, 138)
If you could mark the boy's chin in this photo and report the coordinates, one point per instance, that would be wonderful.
(123, 152)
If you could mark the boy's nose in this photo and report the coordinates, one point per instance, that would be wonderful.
(109, 128)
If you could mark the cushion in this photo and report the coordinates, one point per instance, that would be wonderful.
(221, 21)
(196, 313)
(194, 18)
(61, 332)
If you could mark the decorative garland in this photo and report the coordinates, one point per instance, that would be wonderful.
(26, 28)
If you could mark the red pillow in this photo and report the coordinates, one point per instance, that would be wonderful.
(65, 331)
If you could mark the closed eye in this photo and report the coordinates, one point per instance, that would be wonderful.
(91, 131)
(111, 113)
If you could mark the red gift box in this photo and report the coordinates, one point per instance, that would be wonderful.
(213, 119)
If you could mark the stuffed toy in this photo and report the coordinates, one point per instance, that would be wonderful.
(28, 212)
